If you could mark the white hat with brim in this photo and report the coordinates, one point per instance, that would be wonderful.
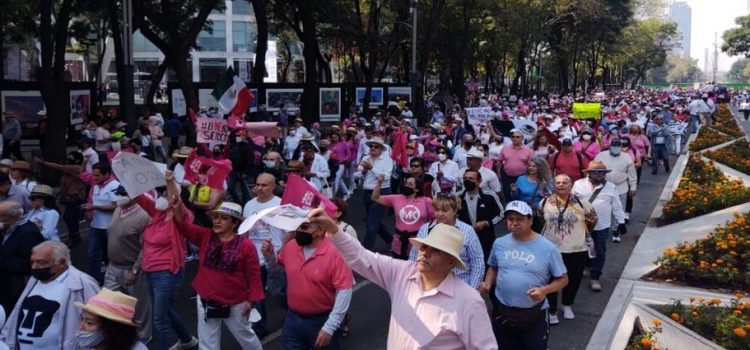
(111, 305)
(444, 238)
(228, 208)
(376, 140)
(475, 153)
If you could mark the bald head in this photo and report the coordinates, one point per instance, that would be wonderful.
(265, 183)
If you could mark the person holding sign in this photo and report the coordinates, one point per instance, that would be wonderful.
(228, 279)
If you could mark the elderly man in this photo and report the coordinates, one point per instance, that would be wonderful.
(524, 267)
(45, 316)
(10, 192)
(622, 173)
(11, 136)
(19, 236)
(372, 166)
(461, 150)
(430, 306)
(661, 139)
(568, 161)
(512, 161)
(490, 182)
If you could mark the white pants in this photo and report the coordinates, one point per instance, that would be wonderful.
(209, 330)
(114, 279)
(677, 143)
(340, 183)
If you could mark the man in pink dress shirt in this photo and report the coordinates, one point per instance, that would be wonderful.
(430, 307)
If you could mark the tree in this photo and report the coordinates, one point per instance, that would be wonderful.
(738, 72)
(260, 7)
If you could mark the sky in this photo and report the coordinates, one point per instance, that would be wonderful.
(709, 17)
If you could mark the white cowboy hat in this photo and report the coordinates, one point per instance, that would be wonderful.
(444, 238)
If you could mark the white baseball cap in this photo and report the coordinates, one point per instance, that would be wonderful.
(518, 207)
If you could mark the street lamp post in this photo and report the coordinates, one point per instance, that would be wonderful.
(127, 105)
(414, 75)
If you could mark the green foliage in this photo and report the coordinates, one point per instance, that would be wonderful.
(737, 40)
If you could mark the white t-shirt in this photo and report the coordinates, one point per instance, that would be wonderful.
(102, 135)
(93, 158)
(263, 231)
(103, 196)
(40, 326)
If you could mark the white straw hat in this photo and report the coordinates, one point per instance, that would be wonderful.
(444, 238)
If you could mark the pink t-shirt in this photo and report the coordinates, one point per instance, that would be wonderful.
(411, 214)
(589, 151)
(514, 159)
(640, 143)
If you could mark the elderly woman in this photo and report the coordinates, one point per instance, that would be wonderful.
(107, 323)
(228, 281)
(566, 218)
(446, 209)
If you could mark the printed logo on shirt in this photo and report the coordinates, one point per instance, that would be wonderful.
(409, 214)
(35, 318)
(519, 256)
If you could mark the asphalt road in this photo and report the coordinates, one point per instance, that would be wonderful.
(370, 307)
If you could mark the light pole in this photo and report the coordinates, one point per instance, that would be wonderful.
(127, 103)
(414, 75)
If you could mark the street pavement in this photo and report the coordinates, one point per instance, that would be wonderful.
(370, 306)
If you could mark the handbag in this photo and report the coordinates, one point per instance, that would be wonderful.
(518, 318)
(214, 309)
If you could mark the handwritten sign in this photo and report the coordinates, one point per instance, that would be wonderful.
(479, 115)
(212, 130)
(137, 174)
(587, 110)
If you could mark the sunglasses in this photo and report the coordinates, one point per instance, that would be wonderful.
(376, 147)
(307, 150)
(597, 172)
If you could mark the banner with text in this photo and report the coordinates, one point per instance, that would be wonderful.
(587, 110)
(212, 130)
(204, 171)
(137, 174)
(479, 115)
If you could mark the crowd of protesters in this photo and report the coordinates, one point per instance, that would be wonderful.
(563, 185)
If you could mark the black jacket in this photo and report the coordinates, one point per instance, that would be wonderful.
(487, 209)
(15, 262)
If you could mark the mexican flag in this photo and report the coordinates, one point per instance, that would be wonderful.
(232, 93)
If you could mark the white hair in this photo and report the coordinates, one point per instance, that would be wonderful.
(60, 251)
(12, 209)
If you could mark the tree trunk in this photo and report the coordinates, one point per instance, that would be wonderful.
(261, 46)
(155, 81)
(520, 66)
(436, 10)
(124, 82)
(310, 54)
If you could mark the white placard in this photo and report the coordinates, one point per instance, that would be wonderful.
(137, 174)
(179, 106)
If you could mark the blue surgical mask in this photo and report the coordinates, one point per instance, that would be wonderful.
(615, 150)
(88, 340)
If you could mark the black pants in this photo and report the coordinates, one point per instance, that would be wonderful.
(533, 338)
(13, 148)
(71, 216)
(574, 263)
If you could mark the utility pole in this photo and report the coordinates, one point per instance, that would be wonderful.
(414, 74)
(127, 103)
(716, 56)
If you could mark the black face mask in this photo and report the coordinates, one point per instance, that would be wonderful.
(407, 191)
(43, 274)
(303, 238)
(470, 185)
(323, 150)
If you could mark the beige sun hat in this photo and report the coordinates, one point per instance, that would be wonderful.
(228, 208)
(114, 306)
(183, 152)
(42, 191)
(376, 140)
(444, 238)
(475, 153)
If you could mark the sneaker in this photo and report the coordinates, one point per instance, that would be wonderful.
(568, 313)
(616, 238)
(181, 346)
(596, 286)
(553, 319)
(586, 272)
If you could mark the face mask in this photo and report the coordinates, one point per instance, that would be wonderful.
(323, 149)
(303, 238)
(89, 339)
(269, 163)
(468, 144)
(442, 157)
(407, 191)
(239, 139)
(161, 204)
(43, 274)
(441, 136)
(122, 200)
(586, 137)
(615, 150)
(470, 185)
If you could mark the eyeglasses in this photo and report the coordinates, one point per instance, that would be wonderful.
(597, 172)
(307, 150)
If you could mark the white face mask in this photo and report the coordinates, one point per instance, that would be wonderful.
(442, 157)
(161, 204)
(239, 139)
(586, 137)
(269, 163)
(122, 200)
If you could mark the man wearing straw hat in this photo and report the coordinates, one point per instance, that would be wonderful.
(430, 306)
(45, 317)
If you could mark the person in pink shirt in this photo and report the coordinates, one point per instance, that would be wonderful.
(430, 307)
(412, 210)
(340, 152)
(512, 161)
(587, 145)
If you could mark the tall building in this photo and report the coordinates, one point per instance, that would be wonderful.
(681, 13)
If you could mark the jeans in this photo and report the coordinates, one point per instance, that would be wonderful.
(260, 326)
(574, 263)
(234, 179)
(659, 151)
(14, 148)
(163, 287)
(694, 121)
(97, 252)
(72, 216)
(535, 337)
(374, 225)
(300, 334)
(339, 183)
(600, 245)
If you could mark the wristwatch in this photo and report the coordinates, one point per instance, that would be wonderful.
(135, 271)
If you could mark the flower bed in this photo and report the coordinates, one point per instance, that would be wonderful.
(720, 260)
(644, 339)
(708, 137)
(727, 325)
(726, 123)
(736, 155)
(703, 189)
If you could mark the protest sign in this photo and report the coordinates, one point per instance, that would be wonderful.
(479, 115)
(503, 127)
(587, 110)
(265, 129)
(527, 127)
(212, 130)
(286, 217)
(677, 128)
(204, 171)
(137, 174)
(303, 194)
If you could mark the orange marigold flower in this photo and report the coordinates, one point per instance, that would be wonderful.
(739, 332)
(715, 301)
(656, 323)
(675, 316)
(646, 343)
(740, 295)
